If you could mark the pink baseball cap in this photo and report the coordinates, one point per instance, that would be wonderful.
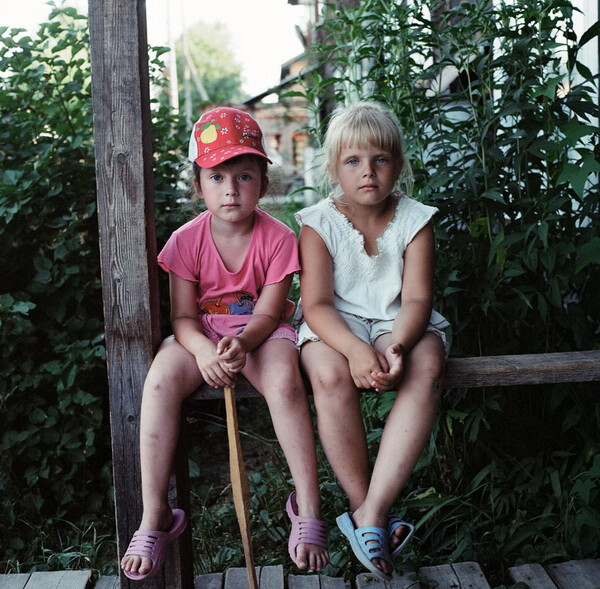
(223, 133)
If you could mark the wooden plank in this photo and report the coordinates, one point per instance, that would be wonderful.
(534, 575)
(464, 575)
(239, 484)
(209, 581)
(576, 574)
(334, 583)
(17, 581)
(316, 582)
(524, 369)
(106, 582)
(402, 580)
(443, 576)
(470, 575)
(303, 582)
(122, 136)
(270, 577)
(59, 580)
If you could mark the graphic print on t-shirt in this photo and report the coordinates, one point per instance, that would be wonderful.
(235, 303)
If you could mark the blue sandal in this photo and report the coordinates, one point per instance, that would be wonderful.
(393, 523)
(366, 543)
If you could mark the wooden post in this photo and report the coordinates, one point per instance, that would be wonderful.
(122, 134)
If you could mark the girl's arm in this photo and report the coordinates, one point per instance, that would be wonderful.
(265, 315)
(265, 318)
(417, 299)
(316, 289)
(187, 331)
(417, 290)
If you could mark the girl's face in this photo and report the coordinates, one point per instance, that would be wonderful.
(366, 174)
(231, 191)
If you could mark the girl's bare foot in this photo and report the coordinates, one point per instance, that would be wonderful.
(159, 520)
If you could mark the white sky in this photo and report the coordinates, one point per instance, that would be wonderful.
(261, 31)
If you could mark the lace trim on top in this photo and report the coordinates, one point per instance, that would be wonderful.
(359, 238)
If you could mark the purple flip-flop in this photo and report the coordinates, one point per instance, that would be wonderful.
(153, 545)
(305, 530)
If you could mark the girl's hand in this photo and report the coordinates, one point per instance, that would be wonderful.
(387, 381)
(231, 352)
(364, 362)
(214, 371)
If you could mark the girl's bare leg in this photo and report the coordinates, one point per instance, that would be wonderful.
(340, 422)
(273, 370)
(406, 432)
(173, 376)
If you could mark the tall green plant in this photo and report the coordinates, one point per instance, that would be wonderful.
(509, 153)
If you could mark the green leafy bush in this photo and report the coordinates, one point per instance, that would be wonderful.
(55, 438)
(509, 154)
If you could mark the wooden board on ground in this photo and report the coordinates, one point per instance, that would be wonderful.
(56, 580)
(463, 575)
(268, 578)
(17, 581)
(317, 582)
(576, 574)
(399, 581)
(108, 583)
(209, 581)
(534, 575)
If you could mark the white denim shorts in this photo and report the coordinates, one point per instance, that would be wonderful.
(368, 330)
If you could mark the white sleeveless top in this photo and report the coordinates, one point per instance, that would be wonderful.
(364, 285)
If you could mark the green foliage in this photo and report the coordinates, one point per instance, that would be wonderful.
(55, 439)
(53, 382)
(509, 154)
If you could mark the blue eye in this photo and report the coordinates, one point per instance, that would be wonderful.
(245, 177)
(216, 177)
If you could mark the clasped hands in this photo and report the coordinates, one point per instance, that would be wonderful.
(372, 369)
(220, 364)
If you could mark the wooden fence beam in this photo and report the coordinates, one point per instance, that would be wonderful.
(485, 371)
(122, 135)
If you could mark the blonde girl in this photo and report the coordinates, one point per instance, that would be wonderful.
(367, 253)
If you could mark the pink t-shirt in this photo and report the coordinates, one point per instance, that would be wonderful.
(229, 297)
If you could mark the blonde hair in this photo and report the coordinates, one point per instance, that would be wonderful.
(361, 124)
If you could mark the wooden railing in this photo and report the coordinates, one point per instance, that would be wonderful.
(485, 371)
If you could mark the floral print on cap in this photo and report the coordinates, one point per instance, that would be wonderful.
(223, 133)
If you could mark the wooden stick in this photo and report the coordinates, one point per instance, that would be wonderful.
(239, 484)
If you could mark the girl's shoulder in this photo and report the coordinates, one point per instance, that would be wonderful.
(409, 208)
(412, 204)
(317, 213)
(194, 224)
(410, 217)
(270, 224)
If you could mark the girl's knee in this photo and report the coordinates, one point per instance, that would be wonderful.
(427, 360)
(173, 371)
(284, 384)
(330, 379)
